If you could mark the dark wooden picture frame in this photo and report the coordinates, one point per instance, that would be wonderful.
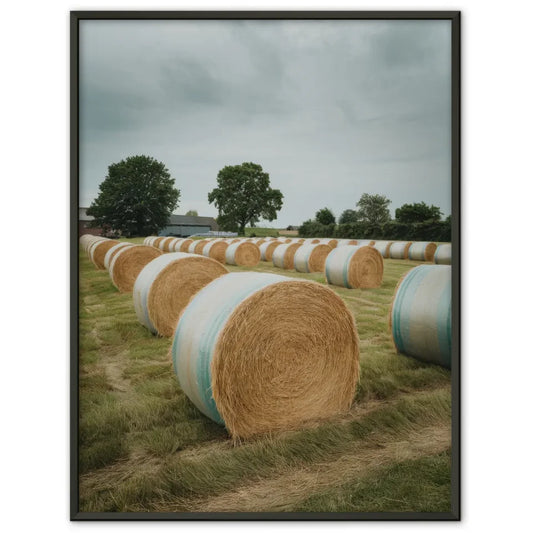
(454, 18)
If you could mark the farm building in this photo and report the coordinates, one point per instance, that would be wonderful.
(83, 223)
(184, 225)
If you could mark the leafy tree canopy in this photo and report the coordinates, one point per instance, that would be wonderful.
(349, 216)
(136, 197)
(417, 212)
(373, 208)
(243, 196)
(191, 213)
(325, 216)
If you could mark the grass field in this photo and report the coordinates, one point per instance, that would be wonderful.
(145, 447)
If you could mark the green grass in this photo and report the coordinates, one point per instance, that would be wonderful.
(261, 232)
(144, 446)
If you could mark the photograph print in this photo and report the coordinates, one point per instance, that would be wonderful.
(265, 303)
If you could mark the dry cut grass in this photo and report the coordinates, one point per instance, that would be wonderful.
(145, 447)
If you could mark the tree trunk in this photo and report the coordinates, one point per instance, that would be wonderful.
(241, 229)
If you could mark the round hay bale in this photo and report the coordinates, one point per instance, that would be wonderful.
(399, 250)
(166, 284)
(443, 254)
(175, 245)
(314, 241)
(149, 240)
(261, 353)
(216, 250)
(87, 239)
(267, 249)
(420, 314)
(330, 242)
(283, 255)
(128, 262)
(346, 242)
(99, 252)
(311, 257)
(198, 249)
(183, 245)
(355, 267)
(365, 242)
(192, 247)
(422, 251)
(91, 246)
(167, 244)
(243, 254)
(156, 241)
(112, 251)
(383, 247)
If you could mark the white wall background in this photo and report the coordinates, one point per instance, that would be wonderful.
(496, 177)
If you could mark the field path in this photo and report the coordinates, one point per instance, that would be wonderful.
(283, 492)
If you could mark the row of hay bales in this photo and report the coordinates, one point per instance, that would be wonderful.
(261, 352)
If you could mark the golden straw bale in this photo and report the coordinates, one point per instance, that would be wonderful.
(99, 252)
(267, 249)
(128, 262)
(311, 257)
(243, 254)
(216, 250)
(355, 267)
(283, 256)
(257, 380)
(184, 245)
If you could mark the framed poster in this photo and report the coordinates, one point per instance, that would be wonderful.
(265, 306)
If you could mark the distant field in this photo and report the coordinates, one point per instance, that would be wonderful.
(145, 447)
(261, 232)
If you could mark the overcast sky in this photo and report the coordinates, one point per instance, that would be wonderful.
(330, 109)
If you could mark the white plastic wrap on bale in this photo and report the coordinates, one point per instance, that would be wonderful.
(277, 256)
(148, 240)
(399, 250)
(193, 246)
(303, 254)
(421, 314)
(336, 265)
(443, 255)
(365, 242)
(144, 281)
(207, 247)
(383, 247)
(111, 251)
(114, 260)
(176, 245)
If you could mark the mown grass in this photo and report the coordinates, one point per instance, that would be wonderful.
(144, 446)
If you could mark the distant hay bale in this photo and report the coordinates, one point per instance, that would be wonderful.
(92, 245)
(167, 245)
(216, 250)
(443, 254)
(166, 284)
(400, 250)
(88, 239)
(99, 252)
(365, 242)
(148, 241)
(198, 249)
(128, 262)
(311, 257)
(112, 251)
(422, 251)
(192, 247)
(175, 245)
(314, 241)
(156, 241)
(330, 242)
(346, 242)
(355, 267)
(267, 249)
(283, 255)
(420, 315)
(383, 247)
(243, 254)
(262, 353)
(183, 245)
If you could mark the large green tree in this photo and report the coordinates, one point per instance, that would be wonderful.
(348, 216)
(373, 208)
(136, 197)
(325, 216)
(243, 196)
(418, 212)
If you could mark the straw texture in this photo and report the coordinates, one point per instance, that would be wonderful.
(216, 250)
(99, 252)
(261, 353)
(243, 254)
(112, 251)
(420, 315)
(311, 257)
(355, 267)
(443, 254)
(166, 284)
(283, 256)
(422, 251)
(267, 249)
(128, 262)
